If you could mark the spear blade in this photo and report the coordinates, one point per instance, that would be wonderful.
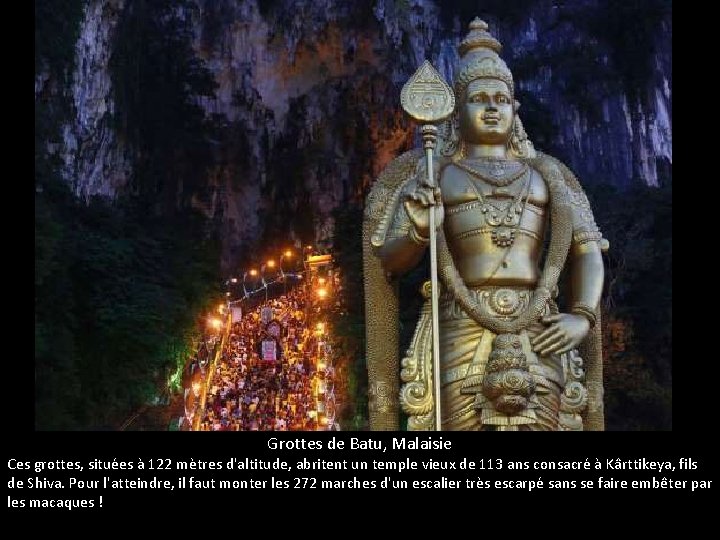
(426, 97)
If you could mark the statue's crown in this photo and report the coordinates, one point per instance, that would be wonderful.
(479, 58)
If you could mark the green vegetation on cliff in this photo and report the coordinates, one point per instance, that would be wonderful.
(116, 298)
(119, 285)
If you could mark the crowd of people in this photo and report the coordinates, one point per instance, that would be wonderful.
(275, 372)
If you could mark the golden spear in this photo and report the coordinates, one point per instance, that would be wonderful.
(428, 99)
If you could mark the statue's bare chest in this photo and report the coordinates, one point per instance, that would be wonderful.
(472, 203)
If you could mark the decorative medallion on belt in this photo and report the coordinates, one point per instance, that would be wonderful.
(505, 301)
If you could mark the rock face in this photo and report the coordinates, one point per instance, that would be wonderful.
(309, 93)
(95, 161)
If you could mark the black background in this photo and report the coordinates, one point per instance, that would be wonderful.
(222, 446)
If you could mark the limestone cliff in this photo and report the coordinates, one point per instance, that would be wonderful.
(307, 98)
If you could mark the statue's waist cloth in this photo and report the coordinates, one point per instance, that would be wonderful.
(465, 347)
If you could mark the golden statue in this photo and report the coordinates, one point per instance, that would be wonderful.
(509, 359)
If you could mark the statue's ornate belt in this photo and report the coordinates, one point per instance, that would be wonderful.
(502, 302)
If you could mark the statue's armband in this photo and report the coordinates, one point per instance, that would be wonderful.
(401, 224)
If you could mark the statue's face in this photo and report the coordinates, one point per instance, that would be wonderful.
(486, 113)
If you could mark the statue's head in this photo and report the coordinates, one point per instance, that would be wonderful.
(486, 110)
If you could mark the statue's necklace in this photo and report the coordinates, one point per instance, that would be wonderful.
(496, 172)
(504, 220)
